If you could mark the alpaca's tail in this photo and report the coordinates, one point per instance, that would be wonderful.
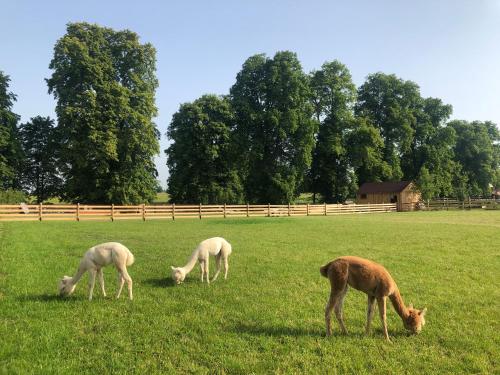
(324, 269)
(130, 258)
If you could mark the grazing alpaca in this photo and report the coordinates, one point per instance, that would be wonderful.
(377, 283)
(216, 246)
(93, 261)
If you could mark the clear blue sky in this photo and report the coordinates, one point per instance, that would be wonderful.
(451, 48)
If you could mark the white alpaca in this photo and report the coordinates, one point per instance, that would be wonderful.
(93, 261)
(216, 246)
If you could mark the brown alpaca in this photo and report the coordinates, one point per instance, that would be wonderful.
(377, 283)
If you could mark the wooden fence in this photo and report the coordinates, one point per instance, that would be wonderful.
(81, 212)
(452, 204)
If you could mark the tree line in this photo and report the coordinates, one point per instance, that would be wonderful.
(281, 132)
(278, 133)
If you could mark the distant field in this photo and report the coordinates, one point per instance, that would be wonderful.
(161, 198)
(268, 316)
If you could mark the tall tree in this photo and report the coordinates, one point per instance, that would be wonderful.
(475, 151)
(390, 104)
(104, 82)
(274, 126)
(366, 146)
(200, 156)
(10, 147)
(334, 95)
(40, 175)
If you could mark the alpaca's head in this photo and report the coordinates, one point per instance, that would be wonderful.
(415, 320)
(178, 274)
(66, 287)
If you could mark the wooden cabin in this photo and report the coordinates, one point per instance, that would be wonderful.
(404, 193)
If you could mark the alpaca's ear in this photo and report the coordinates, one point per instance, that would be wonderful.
(172, 267)
(410, 306)
(422, 312)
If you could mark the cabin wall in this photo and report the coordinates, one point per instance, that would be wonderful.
(409, 198)
(375, 198)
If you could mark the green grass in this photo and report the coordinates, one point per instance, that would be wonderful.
(268, 316)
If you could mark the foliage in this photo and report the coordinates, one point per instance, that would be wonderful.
(274, 132)
(11, 196)
(10, 150)
(268, 316)
(200, 156)
(40, 174)
(476, 151)
(104, 82)
(333, 95)
(366, 152)
(390, 103)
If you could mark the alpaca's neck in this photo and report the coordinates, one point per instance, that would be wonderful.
(79, 273)
(398, 304)
(191, 262)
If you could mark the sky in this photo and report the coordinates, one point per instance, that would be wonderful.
(450, 48)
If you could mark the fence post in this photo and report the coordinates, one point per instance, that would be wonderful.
(325, 208)
(269, 210)
(112, 212)
(78, 212)
(469, 203)
(173, 211)
(224, 210)
(40, 212)
(307, 210)
(248, 207)
(143, 212)
(199, 211)
(288, 208)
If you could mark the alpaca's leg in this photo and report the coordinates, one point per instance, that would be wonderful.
(121, 282)
(128, 279)
(226, 266)
(339, 313)
(332, 301)
(202, 267)
(338, 276)
(218, 259)
(369, 313)
(207, 271)
(383, 317)
(92, 274)
(101, 281)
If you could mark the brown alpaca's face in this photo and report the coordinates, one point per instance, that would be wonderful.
(415, 320)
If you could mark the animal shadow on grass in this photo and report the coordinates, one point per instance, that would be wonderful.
(166, 282)
(50, 298)
(263, 330)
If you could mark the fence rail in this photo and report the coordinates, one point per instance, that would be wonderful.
(447, 204)
(82, 212)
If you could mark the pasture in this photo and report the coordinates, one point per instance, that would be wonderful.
(268, 317)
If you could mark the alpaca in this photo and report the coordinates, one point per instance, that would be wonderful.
(373, 279)
(216, 246)
(93, 261)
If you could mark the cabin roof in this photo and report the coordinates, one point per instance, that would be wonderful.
(383, 187)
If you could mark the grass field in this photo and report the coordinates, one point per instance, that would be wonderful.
(268, 316)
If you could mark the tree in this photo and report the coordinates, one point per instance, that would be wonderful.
(334, 95)
(199, 158)
(40, 175)
(391, 104)
(475, 151)
(274, 131)
(10, 148)
(104, 82)
(365, 145)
